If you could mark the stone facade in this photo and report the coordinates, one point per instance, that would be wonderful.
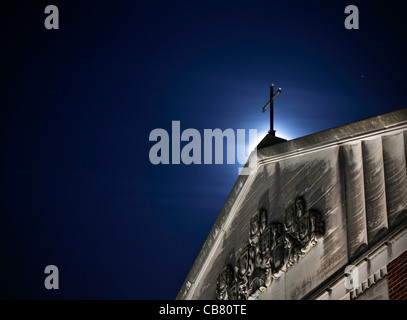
(321, 217)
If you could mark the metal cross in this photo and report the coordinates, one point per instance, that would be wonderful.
(270, 103)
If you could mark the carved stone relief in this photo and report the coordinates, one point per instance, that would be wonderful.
(272, 249)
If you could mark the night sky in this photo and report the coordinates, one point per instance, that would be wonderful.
(77, 189)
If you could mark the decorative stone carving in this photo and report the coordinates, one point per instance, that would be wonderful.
(277, 249)
(242, 274)
(271, 251)
(223, 284)
(259, 276)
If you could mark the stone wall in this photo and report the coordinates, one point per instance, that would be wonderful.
(354, 176)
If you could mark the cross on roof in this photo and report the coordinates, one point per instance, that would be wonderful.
(270, 103)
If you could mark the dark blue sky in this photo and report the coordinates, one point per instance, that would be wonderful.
(78, 105)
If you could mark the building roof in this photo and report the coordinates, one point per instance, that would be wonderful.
(268, 153)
